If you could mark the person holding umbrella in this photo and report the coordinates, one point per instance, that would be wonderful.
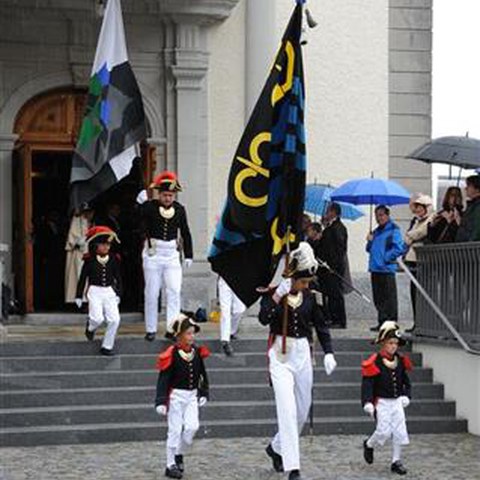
(384, 245)
(415, 236)
(469, 230)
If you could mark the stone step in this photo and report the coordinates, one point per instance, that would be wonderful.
(221, 393)
(148, 362)
(125, 378)
(140, 346)
(144, 413)
(153, 431)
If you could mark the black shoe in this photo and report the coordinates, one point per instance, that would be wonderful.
(411, 329)
(150, 336)
(295, 475)
(376, 328)
(367, 453)
(90, 335)
(170, 336)
(234, 337)
(277, 461)
(397, 467)
(173, 472)
(179, 462)
(107, 352)
(227, 349)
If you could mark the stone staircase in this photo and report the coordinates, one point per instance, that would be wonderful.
(65, 393)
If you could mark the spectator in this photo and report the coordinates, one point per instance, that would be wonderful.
(416, 235)
(332, 249)
(385, 245)
(314, 234)
(306, 222)
(469, 230)
(444, 225)
(76, 246)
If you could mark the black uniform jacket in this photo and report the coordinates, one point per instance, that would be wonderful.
(99, 274)
(167, 229)
(176, 372)
(380, 381)
(300, 320)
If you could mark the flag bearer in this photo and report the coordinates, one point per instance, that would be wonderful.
(101, 270)
(231, 308)
(386, 393)
(182, 388)
(291, 372)
(167, 234)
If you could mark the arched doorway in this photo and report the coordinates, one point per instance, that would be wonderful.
(47, 127)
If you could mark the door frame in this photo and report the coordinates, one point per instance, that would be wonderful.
(25, 282)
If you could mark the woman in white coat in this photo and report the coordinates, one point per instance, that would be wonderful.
(76, 247)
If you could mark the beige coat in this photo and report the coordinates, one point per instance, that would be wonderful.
(416, 236)
(76, 247)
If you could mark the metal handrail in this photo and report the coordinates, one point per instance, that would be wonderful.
(458, 336)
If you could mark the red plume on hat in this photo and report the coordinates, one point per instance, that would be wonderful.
(166, 182)
(101, 233)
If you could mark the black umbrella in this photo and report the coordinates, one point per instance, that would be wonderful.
(463, 152)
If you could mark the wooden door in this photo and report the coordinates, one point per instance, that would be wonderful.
(23, 227)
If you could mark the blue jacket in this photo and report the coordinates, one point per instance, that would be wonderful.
(387, 245)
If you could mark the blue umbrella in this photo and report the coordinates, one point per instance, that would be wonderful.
(317, 198)
(371, 191)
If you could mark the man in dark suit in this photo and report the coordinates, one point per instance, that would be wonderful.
(333, 250)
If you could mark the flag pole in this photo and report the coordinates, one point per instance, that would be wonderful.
(285, 298)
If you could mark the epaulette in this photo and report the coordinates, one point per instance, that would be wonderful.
(369, 366)
(203, 351)
(407, 362)
(318, 297)
(165, 358)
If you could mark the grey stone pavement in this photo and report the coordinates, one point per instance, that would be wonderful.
(439, 457)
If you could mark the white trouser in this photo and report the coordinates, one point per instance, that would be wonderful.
(231, 308)
(103, 306)
(292, 378)
(183, 422)
(161, 267)
(390, 423)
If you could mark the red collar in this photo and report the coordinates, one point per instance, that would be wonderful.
(384, 354)
(185, 348)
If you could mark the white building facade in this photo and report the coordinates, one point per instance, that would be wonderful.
(200, 65)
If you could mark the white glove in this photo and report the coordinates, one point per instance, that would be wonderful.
(118, 299)
(329, 363)
(78, 302)
(142, 197)
(161, 410)
(188, 262)
(284, 287)
(405, 401)
(369, 409)
(202, 401)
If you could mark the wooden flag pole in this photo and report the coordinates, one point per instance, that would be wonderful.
(285, 298)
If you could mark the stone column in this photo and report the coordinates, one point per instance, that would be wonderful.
(261, 46)
(7, 142)
(189, 70)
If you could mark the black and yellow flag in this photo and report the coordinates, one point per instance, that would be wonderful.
(266, 186)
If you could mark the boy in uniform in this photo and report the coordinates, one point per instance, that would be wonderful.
(101, 270)
(386, 392)
(182, 388)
